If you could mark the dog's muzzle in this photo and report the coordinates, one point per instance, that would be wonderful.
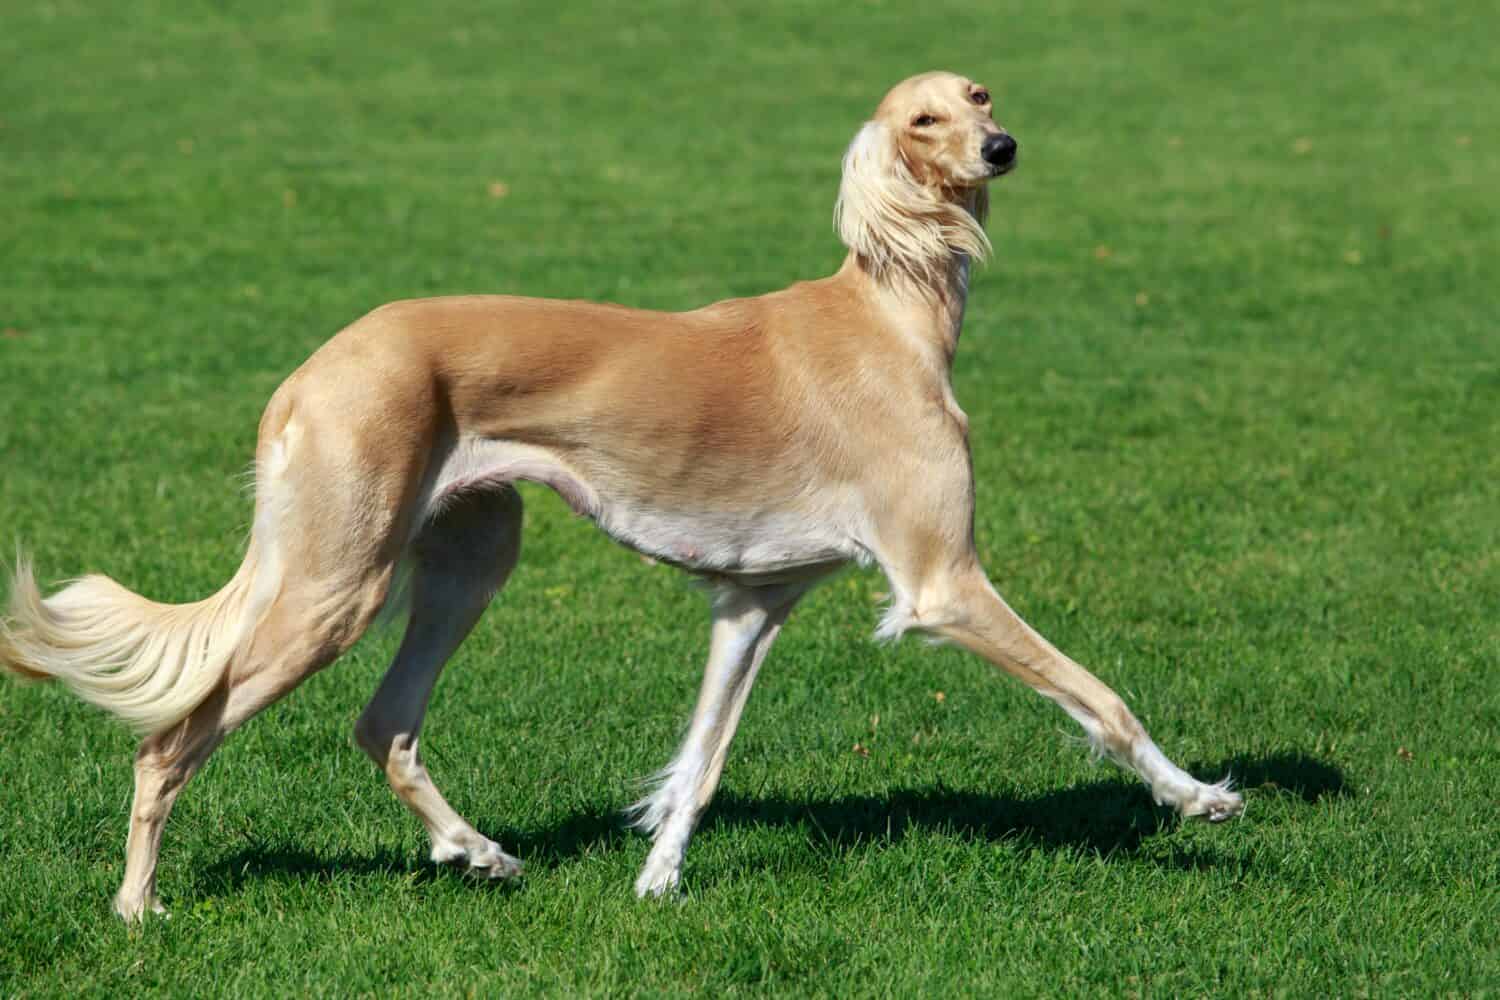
(999, 151)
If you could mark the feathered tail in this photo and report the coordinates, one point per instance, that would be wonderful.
(149, 664)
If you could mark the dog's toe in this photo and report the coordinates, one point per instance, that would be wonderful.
(657, 880)
(484, 859)
(495, 864)
(133, 909)
(1216, 803)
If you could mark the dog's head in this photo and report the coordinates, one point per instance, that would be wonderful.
(943, 128)
(913, 190)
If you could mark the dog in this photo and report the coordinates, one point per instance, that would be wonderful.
(758, 443)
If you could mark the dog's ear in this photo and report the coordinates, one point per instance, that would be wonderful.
(874, 157)
(889, 219)
(875, 184)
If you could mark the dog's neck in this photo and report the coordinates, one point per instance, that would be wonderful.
(926, 306)
(919, 279)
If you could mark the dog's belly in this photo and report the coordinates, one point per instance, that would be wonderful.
(765, 542)
(754, 545)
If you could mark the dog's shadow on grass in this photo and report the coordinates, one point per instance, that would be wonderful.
(1109, 816)
(1113, 817)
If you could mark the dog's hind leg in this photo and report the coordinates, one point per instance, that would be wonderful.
(306, 627)
(332, 516)
(745, 623)
(460, 560)
(163, 765)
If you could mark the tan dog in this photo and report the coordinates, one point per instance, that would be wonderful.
(760, 443)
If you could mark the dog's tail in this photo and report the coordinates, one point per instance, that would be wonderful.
(149, 664)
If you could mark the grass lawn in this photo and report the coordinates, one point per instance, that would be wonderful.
(1234, 384)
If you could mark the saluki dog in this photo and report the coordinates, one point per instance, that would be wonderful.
(759, 443)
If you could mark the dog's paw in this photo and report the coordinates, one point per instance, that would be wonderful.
(483, 859)
(133, 909)
(659, 878)
(1215, 803)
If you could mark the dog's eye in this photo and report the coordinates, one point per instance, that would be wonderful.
(922, 121)
(980, 97)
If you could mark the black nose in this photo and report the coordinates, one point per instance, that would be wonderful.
(998, 150)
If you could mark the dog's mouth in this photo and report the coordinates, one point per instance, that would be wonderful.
(1001, 169)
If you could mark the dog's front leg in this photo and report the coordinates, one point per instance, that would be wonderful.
(745, 623)
(958, 603)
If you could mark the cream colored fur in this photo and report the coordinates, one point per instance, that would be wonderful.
(758, 443)
(895, 224)
(149, 664)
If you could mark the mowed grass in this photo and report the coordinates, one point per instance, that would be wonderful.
(1234, 383)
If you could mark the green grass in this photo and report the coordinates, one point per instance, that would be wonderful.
(1234, 379)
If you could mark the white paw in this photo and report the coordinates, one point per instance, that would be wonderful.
(1215, 803)
(482, 858)
(133, 909)
(658, 878)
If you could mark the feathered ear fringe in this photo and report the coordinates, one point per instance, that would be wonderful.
(895, 223)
